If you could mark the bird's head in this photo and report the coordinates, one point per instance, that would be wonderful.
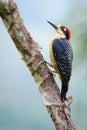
(62, 31)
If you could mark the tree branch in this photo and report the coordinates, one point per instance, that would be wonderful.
(31, 55)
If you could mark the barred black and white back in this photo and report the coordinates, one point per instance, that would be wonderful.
(63, 55)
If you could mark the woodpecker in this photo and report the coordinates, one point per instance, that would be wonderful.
(61, 56)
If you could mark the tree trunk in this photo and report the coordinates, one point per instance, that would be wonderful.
(31, 55)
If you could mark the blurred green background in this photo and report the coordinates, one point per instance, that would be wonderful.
(21, 105)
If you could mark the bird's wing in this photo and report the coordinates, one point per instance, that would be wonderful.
(63, 55)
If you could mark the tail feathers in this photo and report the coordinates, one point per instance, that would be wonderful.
(64, 89)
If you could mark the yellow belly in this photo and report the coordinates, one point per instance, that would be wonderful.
(53, 62)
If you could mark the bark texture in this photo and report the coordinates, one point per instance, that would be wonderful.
(31, 55)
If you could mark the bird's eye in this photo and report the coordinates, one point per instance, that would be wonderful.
(65, 29)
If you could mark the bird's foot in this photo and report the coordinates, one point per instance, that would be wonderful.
(43, 61)
(49, 64)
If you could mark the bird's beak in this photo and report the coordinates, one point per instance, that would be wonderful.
(53, 25)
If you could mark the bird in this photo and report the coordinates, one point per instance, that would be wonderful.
(61, 56)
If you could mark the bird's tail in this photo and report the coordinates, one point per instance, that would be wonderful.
(64, 89)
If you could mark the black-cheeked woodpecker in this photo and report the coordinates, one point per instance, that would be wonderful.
(61, 55)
